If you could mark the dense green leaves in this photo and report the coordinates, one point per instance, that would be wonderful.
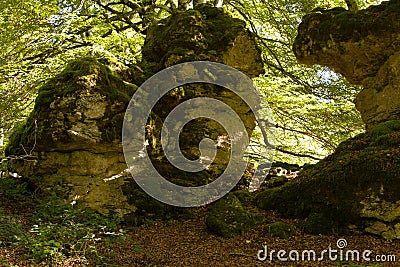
(312, 105)
(25, 29)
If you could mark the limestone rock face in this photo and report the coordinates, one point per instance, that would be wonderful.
(362, 46)
(379, 101)
(384, 217)
(207, 34)
(72, 136)
(360, 180)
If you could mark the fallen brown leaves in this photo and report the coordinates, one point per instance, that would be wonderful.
(187, 243)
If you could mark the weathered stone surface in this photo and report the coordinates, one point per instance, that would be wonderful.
(381, 210)
(379, 228)
(384, 216)
(205, 33)
(388, 232)
(73, 137)
(353, 44)
(356, 189)
(379, 101)
(363, 46)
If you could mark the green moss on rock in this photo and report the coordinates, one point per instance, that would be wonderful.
(281, 199)
(320, 223)
(244, 196)
(277, 181)
(228, 217)
(189, 35)
(330, 193)
(384, 128)
(150, 209)
(86, 90)
(84, 73)
(280, 230)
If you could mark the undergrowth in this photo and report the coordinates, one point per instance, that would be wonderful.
(50, 230)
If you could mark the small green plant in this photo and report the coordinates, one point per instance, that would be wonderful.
(14, 189)
(53, 230)
(63, 230)
(5, 263)
(11, 230)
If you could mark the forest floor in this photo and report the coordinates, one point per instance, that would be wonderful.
(183, 242)
(187, 243)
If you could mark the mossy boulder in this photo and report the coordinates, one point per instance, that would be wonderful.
(228, 217)
(204, 33)
(321, 223)
(335, 193)
(276, 181)
(150, 209)
(80, 107)
(280, 230)
(244, 196)
(73, 136)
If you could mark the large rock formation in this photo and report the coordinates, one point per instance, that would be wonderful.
(364, 47)
(356, 189)
(73, 136)
(206, 34)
